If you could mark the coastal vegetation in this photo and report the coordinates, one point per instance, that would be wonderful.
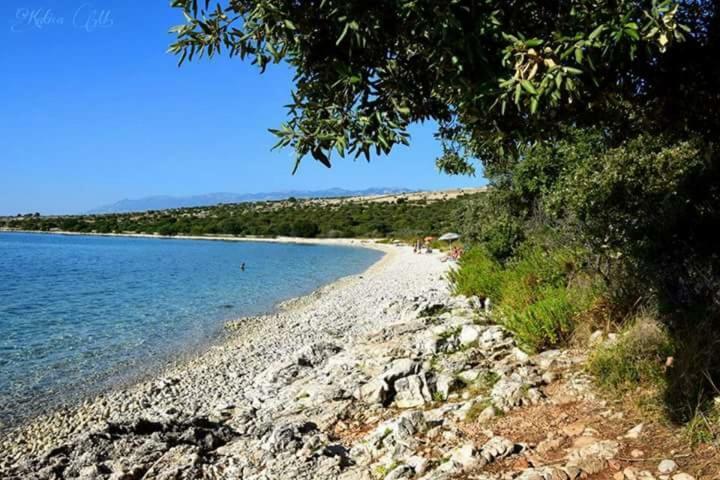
(595, 123)
(346, 218)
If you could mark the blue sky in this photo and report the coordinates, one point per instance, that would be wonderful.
(94, 110)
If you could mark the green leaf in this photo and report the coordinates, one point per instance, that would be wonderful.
(632, 34)
(595, 33)
(528, 86)
(342, 35)
(578, 55)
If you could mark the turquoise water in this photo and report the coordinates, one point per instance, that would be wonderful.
(79, 314)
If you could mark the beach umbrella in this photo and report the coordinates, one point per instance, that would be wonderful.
(449, 237)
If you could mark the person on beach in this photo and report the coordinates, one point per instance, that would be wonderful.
(242, 267)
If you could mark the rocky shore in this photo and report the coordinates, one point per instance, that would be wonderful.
(381, 375)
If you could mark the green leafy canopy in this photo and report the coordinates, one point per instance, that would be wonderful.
(491, 73)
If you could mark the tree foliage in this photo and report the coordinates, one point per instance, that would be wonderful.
(300, 218)
(496, 76)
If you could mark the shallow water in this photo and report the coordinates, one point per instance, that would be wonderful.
(79, 314)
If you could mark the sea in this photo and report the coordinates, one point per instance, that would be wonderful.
(82, 314)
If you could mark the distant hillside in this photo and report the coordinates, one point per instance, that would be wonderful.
(408, 215)
(163, 202)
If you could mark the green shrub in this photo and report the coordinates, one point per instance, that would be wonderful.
(478, 275)
(535, 300)
(546, 322)
(637, 358)
(530, 293)
(536, 268)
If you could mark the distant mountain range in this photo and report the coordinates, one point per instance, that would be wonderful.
(163, 202)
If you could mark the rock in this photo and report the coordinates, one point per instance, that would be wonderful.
(548, 377)
(574, 429)
(596, 338)
(419, 464)
(543, 473)
(583, 441)
(630, 473)
(634, 433)
(667, 466)
(376, 391)
(444, 385)
(400, 368)
(508, 392)
(90, 472)
(548, 445)
(593, 458)
(521, 357)
(315, 354)
(288, 437)
(400, 472)
(411, 392)
(466, 456)
(682, 476)
(469, 334)
(496, 448)
(178, 462)
(469, 376)
(637, 453)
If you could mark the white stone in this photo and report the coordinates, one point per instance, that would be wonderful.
(466, 456)
(667, 466)
(595, 338)
(683, 476)
(469, 376)
(411, 392)
(635, 432)
(469, 334)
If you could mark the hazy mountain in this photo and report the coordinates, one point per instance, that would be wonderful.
(162, 202)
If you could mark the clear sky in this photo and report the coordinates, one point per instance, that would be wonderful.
(94, 110)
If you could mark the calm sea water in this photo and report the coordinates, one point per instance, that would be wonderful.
(80, 314)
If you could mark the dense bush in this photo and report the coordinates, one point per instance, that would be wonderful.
(479, 274)
(639, 216)
(533, 294)
(636, 358)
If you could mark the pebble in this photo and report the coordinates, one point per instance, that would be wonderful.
(634, 433)
(667, 466)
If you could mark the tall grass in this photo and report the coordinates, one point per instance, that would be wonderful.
(478, 275)
(531, 293)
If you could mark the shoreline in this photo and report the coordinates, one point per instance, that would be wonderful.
(30, 437)
(225, 327)
(350, 242)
